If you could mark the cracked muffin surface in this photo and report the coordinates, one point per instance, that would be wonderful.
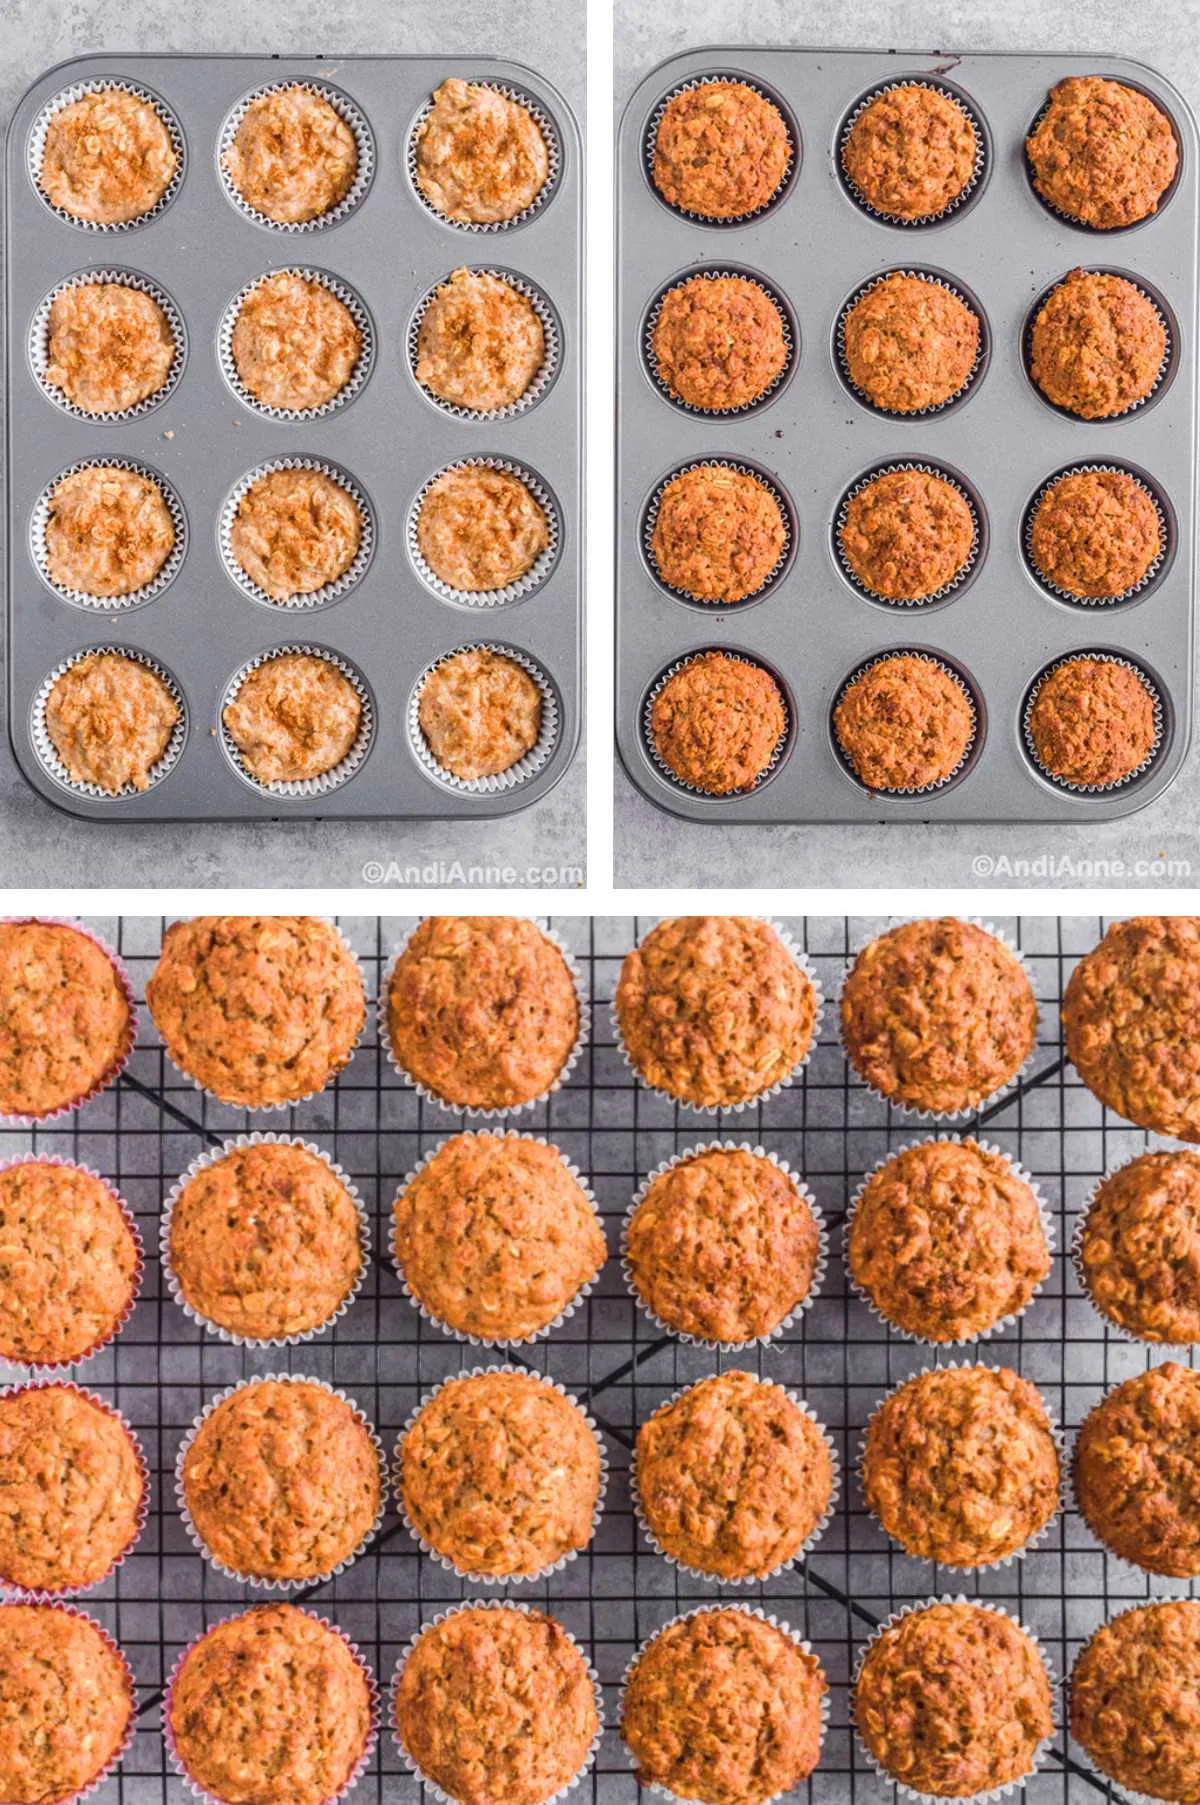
(481, 157)
(108, 157)
(65, 1020)
(1095, 533)
(1102, 152)
(1137, 1470)
(717, 723)
(71, 1488)
(295, 344)
(69, 1263)
(904, 723)
(910, 343)
(906, 534)
(108, 346)
(1093, 722)
(719, 533)
(295, 531)
(66, 1703)
(721, 150)
(111, 720)
(480, 529)
(911, 152)
(719, 342)
(1135, 1699)
(1139, 1247)
(295, 718)
(480, 713)
(293, 157)
(108, 530)
(1098, 345)
(480, 344)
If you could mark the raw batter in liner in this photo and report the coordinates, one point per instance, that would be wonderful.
(481, 342)
(480, 529)
(108, 531)
(480, 713)
(110, 719)
(295, 344)
(481, 158)
(294, 532)
(293, 156)
(108, 158)
(294, 717)
(108, 346)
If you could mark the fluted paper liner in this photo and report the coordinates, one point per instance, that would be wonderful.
(520, 586)
(351, 115)
(527, 766)
(554, 152)
(1092, 789)
(310, 598)
(965, 106)
(132, 598)
(551, 348)
(355, 306)
(122, 1060)
(39, 344)
(36, 147)
(650, 146)
(47, 752)
(302, 788)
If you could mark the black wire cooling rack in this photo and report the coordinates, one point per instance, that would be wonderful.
(143, 1131)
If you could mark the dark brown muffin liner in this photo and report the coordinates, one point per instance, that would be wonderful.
(521, 586)
(924, 467)
(960, 200)
(122, 1060)
(212, 1157)
(36, 146)
(551, 341)
(936, 280)
(526, 767)
(39, 344)
(350, 114)
(338, 774)
(1081, 1273)
(355, 306)
(860, 670)
(774, 489)
(1144, 583)
(1091, 789)
(650, 145)
(1166, 369)
(1083, 225)
(444, 1561)
(311, 598)
(660, 765)
(718, 272)
(47, 752)
(72, 1610)
(133, 598)
(554, 149)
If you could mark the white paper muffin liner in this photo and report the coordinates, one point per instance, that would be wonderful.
(133, 598)
(809, 1542)
(935, 280)
(312, 598)
(354, 384)
(650, 146)
(948, 670)
(47, 752)
(551, 346)
(1084, 225)
(719, 272)
(122, 1060)
(786, 514)
(526, 767)
(503, 1342)
(654, 1787)
(39, 344)
(1165, 370)
(923, 467)
(491, 1604)
(989, 1793)
(1092, 789)
(73, 1610)
(805, 965)
(443, 1561)
(259, 1583)
(521, 586)
(168, 1732)
(1128, 1793)
(554, 151)
(1076, 1258)
(1018, 1171)
(650, 745)
(212, 1157)
(960, 200)
(36, 147)
(478, 1112)
(798, 1309)
(346, 109)
(1144, 583)
(304, 787)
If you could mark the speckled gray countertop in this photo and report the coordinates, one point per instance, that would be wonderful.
(39, 846)
(1160, 845)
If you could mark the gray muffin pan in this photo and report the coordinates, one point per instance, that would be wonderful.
(816, 246)
(390, 249)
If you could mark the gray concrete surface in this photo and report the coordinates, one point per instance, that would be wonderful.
(39, 846)
(653, 848)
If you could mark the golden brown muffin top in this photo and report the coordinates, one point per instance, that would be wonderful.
(65, 1019)
(258, 1009)
(282, 1480)
(1102, 153)
(500, 1474)
(724, 1707)
(481, 157)
(69, 1263)
(495, 1236)
(108, 530)
(719, 342)
(1139, 1247)
(1130, 1013)
(108, 157)
(910, 343)
(733, 1478)
(938, 1015)
(1095, 533)
(721, 150)
(1135, 1699)
(66, 1699)
(272, 1704)
(906, 534)
(1137, 1470)
(714, 1010)
(482, 1010)
(946, 1240)
(293, 157)
(480, 713)
(718, 534)
(1092, 722)
(1098, 345)
(108, 346)
(295, 718)
(904, 723)
(111, 719)
(295, 344)
(717, 723)
(480, 529)
(480, 343)
(71, 1488)
(953, 1700)
(497, 1704)
(294, 531)
(911, 152)
(723, 1245)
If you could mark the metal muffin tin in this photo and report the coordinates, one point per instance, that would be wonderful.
(390, 437)
(815, 440)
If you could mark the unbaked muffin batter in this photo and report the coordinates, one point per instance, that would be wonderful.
(110, 719)
(295, 344)
(295, 717)
(480, 713)
(108, 346)
(481, 529)
(480, 343)
(108, 158)
(293, 156)
(481, 158)
(108, 531)
(294, 532)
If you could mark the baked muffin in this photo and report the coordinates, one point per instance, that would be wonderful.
(293, 157)
(717, 723)
(911, 152)
(907, 534)
(946, 1241)
(1093, 722)
(1133, 1697)
(480, 713)
(1136, 1458)
(1098, 345)
(108, 158)
(108, 531)
(481, 158)
(904, 723)
(70, 1261)
(480, 529)
(110, 719)
(66, 1022)
(723, 1246)
(260, 1010)
(295, 718)
(72, 1488)
(953, 1700)
(1129, 1014)
(480, 344)
(271, 1704)
(719, 533)
(714, 1010)
(108, 346)
(960, 1465)
(1095, 534)
(500, 1475)
(938, 1015)
(721, 151)
(719, 342)
(495, 1237)
(725, 1708)
(1138, 1251)
(1102, 153)
(266, 1242)
(295, 531)
(295, 344)
(910, 343)
(281, 1481)
(496, 1704)
(482, 1011)
(66, 1699)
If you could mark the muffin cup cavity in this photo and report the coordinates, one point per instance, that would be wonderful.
(305, 786)
(135, 598)
(782, 746)
(348, 112)
(552, 342)
(131, 1032)
(527, 766)
(328, 592)
(961, 201)
(972, 748)
(937, 279)
(39, 345)
(359, 376)
(78, 91)
(791, 341)
(764, 92)
(1147, 582)
(1112, 1326)
(545, 123)
(47, 752)
(786, 1323)
(961, 579)
(521, 586)
(1083, 225)
(787, 514)
(1093, 789)
(211, 1158)
(1166, 370)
